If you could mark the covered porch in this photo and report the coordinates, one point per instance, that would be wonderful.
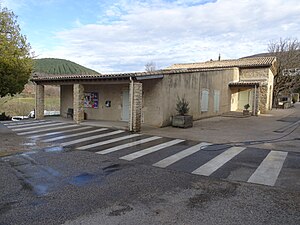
(243, 93)
(90, 98)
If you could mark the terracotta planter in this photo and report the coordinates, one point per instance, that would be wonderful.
(182, 121)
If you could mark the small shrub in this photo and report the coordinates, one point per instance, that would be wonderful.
(182, 106)
(4, 117)
(246, 107)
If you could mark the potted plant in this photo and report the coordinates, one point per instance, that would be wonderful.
(181, 119)
(246, 109)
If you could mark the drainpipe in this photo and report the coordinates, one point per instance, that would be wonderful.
(131, 105)
(254, 105)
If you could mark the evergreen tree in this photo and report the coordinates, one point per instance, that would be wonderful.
(15, 55)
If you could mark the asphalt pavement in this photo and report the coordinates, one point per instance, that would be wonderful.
(54, 174)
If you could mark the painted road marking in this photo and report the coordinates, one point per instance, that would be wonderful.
(211, 166)
(91, 138)
(269, 169)
(60, 132)
(42, 126)
(48, 129)
(74, 135)
(131, 144)
(180, 155)
(147, 151)
(23, 122)
(108, 141)
(29, 125)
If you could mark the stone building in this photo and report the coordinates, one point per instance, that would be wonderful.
(212, 88)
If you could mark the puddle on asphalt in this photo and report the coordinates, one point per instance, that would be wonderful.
(29, 144)
(29, 153)
(86, 178)
(41, 189)
(54, 149)
(83, 179)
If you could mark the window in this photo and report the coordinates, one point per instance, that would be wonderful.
(216, 101)
(204, 101)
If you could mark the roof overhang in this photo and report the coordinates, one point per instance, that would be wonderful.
(151, 77)
(244, 84)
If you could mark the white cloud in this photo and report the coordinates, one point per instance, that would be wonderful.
(132, 33)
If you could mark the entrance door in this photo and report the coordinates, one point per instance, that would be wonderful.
(125, 106)
(244, 99)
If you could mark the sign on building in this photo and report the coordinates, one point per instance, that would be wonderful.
(91, 100)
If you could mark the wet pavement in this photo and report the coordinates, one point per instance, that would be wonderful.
(45, 183)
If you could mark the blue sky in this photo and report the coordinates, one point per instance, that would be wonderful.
(123, 35)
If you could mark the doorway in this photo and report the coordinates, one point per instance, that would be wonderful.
(245, 97)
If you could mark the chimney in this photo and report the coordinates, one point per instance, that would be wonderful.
(219, 57)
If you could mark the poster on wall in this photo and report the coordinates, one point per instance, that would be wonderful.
(91, 100)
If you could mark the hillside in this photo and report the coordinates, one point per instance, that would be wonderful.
(264, 54)
(60, 66)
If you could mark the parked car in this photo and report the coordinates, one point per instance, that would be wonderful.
(285, 102)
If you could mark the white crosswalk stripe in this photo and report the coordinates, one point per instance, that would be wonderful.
(108, 141)
(29, 124)
(47, 129)
(74, 135)
(211, 166)
(147, 151)
(91, 138)
(60, 132)
(131, 144)
(269, 169)
(42, 126)
(180, 155)
(9, 123)
(267, 172)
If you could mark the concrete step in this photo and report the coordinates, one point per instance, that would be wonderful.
(235, 114)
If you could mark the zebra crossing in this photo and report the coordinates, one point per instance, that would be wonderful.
(206, 159)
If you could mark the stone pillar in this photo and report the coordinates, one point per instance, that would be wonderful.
(78, 103)
(135, 114)
(255, 104)
(39, 101)
(263, 98)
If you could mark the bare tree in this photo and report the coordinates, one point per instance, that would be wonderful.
(150, 66)
(287, 52)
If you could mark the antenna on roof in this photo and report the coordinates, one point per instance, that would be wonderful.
(219, 58)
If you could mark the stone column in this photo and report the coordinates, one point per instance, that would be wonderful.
(135, 114)
(39, 101)
(263, 98)
(78, 103)
(256, 107)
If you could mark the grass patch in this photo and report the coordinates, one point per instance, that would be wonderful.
(21, 106)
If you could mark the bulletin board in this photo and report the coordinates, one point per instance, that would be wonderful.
(91, 100)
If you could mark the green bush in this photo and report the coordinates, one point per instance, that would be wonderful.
(182, 106)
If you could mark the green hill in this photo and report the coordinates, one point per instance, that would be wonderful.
(60, 66)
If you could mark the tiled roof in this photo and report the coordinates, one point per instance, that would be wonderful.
(54, 77)
(243, 62)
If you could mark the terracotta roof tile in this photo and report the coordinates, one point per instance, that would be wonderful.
(243, 62)
(58, 77)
